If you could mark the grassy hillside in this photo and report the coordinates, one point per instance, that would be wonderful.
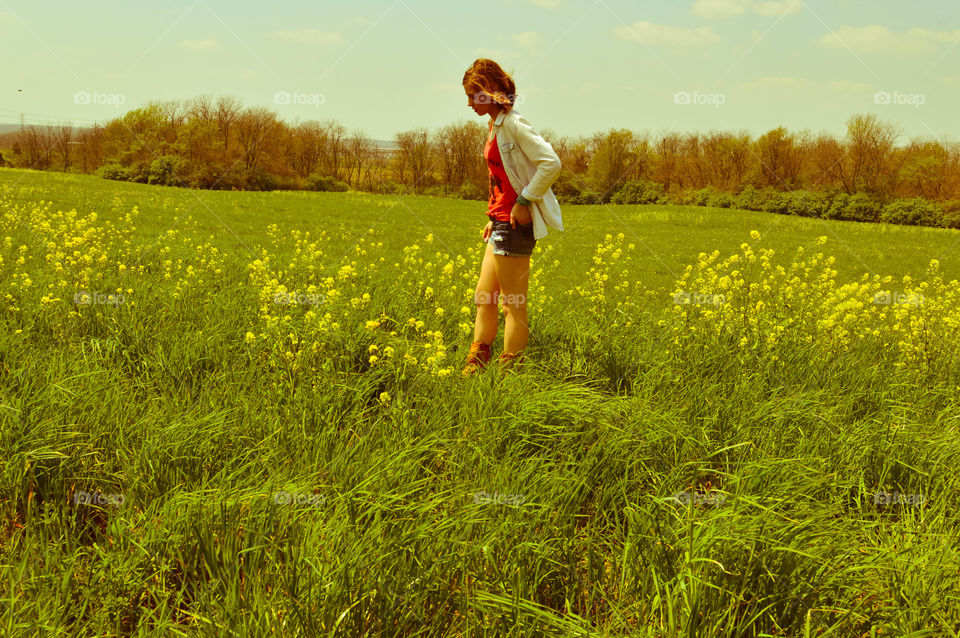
(186, 452)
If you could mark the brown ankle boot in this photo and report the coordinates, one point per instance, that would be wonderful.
(478, 357)
(510, 360)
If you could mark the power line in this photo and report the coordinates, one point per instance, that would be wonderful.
(40, 118)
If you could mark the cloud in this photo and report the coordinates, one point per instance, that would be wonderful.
(310, 36)
(713, 9)
(529, 40)
(492, 54)
(832, 91)
(784, 7)
(543, 4)
(650, 33)
(877, 38)
(719, 9)
(207, 44)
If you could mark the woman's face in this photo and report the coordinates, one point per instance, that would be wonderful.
(480, 103)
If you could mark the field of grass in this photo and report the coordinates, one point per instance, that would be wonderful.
(239, 413)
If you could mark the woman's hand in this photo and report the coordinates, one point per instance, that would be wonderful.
(486, 231)
(519, 215)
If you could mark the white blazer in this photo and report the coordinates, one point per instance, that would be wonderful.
(532, 166)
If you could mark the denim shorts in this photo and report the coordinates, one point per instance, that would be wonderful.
(513, 242)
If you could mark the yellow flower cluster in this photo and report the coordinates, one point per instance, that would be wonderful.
(304, 304)
(78, 273)
(746, 300)
(607, 280)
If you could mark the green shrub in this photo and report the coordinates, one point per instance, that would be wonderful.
(317, 182)
(567, 186)
(950, 213)
(721, 200)
(469, 190)
(807, 203)
(749, 198)
(589, 196)
(640, 191)
(774, 201)
(115, 172)
(168, 170)
(258, 179)
(837, 206)
(914, 212)
(703, 196)
(951, 220)
(861, 208)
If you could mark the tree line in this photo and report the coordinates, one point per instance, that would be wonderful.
(220, 144)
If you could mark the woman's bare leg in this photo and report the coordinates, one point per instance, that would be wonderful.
(485, 298)
(513, 273)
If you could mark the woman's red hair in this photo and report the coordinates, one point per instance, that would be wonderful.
(488, 78)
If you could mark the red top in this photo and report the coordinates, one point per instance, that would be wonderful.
(502, 195)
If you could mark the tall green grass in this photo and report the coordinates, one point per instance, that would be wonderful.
(704, 493)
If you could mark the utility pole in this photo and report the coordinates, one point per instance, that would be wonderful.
(21, 113)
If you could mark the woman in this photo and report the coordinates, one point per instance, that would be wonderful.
(522, 167)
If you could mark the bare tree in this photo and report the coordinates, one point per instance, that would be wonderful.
(413, 158)
(63, 135)
(254, 127)
(227, 112)
(358, 150)
(870, 145)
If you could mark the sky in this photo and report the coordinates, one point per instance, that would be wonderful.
(580, 66)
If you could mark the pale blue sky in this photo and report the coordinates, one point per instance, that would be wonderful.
(581, 66)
